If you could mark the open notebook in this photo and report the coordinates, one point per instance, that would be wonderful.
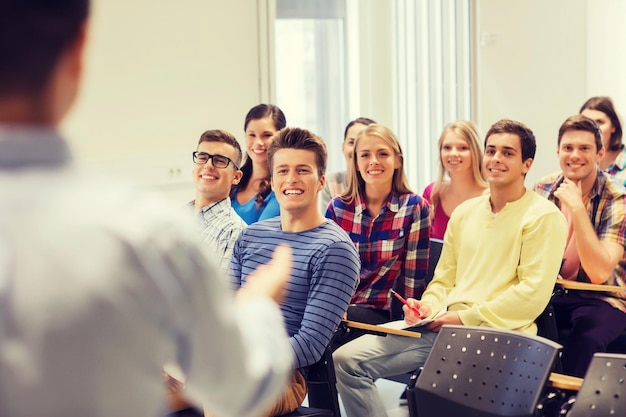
(401, 324)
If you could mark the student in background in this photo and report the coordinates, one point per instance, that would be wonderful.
(387, 222)
(501, 255)
(602, 111)
(460, 174)
(337, 182)
(215, 171)
(594, 208)
(253, 198)
(102, 285)
(326, 264)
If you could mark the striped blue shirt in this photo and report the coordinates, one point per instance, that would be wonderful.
(325, 272)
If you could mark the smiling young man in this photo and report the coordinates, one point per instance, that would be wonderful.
(326, 263)
(500, 258)
(594, 208)
(215, 171)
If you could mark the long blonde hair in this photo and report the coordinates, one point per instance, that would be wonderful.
(356, 184)
(468, 131)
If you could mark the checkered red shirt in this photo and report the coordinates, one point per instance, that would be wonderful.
(393, 246)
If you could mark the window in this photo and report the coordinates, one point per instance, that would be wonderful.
(432, 74)
(310, 68)
(414, 72)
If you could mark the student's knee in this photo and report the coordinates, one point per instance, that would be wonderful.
(344, 360)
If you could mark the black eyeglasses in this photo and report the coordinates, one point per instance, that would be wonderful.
(219, 161)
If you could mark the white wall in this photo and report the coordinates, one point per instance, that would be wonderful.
(606, 57)
(531, 67)
(158, 74)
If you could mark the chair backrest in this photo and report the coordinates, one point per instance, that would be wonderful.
(478, 371)
(436, 245)
(546, 327)
(433, 257)
(322, 389)
(603, 392)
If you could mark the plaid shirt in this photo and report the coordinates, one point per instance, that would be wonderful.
(617, 170)
(606, 208)
(392, 246)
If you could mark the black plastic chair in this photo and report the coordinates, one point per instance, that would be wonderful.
(603, 392)
(478, 372)
(546, 327)
(436, 245)
(322, 389)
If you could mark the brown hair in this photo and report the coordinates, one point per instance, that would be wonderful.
(33, 36)
(260, 111)
(526, 136)
(605, 105)
(222, 136)
(583, 123)
(296, 138)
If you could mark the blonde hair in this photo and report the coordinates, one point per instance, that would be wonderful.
(356, 184)
(469, 132)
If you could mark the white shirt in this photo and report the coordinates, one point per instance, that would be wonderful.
(100, 287)
(220, 228)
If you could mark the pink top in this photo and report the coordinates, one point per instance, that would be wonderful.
(440, 220)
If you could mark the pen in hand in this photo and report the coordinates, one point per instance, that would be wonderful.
(403, 301)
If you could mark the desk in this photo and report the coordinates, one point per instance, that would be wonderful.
(563, 381)
(380, 329)
(586, 286)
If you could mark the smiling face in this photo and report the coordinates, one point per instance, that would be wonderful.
(213, 184)
(578, 155)
(296, 181)
(259, 132)
(502, 162)
(455, 153)
(376, 161)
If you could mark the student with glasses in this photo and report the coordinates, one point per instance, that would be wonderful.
(215, 171)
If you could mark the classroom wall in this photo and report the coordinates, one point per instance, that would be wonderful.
(606, 61)
(158, 74)
(531, 68)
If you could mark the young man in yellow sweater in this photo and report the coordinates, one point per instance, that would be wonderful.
(501, 277)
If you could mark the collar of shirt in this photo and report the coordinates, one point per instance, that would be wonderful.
(619, 164)
(216, 208)
(596, 190)
(392, 204)
(28, 146)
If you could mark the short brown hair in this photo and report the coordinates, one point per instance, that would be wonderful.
(297, 138)
(33, 35)
(583, 123)
(223, 136)
(526, 136)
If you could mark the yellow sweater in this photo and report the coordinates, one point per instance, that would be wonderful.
(499, 270)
